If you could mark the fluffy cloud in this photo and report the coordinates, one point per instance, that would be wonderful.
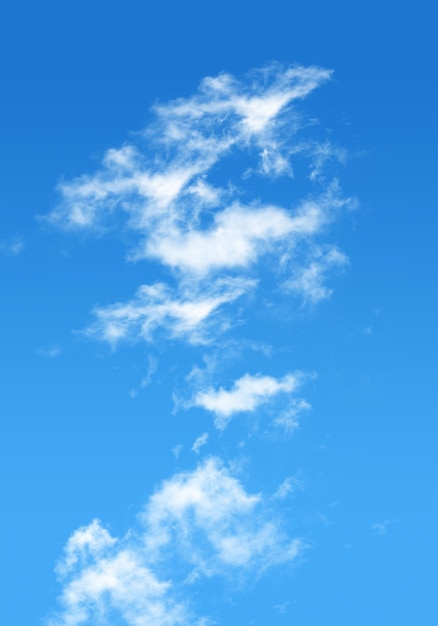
(246, 395)
(117, 585)
(203, 519)
(236, 238)
(209, 519)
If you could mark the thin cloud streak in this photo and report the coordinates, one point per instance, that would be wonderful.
(199, 443)
(308, 280)
(192, 313)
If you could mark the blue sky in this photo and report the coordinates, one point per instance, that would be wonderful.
(218, 331)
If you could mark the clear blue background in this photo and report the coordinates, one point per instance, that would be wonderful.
(76, 78)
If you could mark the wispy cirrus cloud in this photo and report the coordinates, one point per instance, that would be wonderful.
(289, 419)
(309, 280)
(198, 524)
(192, 313)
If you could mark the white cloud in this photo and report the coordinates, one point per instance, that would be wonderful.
(204, 520)
(162, 185)
(321, 154)
(237, 237)
(199, 442)
(190, 314)
(246, 395)
(119, 584)
(167, 190)
(87, 540)
(208, 518)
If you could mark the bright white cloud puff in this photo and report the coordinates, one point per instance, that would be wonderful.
(246, 395)
(204, 518)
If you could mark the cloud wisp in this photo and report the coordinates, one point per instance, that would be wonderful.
(309, 280)
(198, 524)
(193, 314)
(381, 528)
(199, 443)
(12, 246)
(49, 352)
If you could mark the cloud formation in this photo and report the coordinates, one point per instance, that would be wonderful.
(246, 395)
(209, 519)
(169, 191)
(205, 230)
(204, 520)
(191, 313)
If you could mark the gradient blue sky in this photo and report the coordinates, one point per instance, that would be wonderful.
(91, 430)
